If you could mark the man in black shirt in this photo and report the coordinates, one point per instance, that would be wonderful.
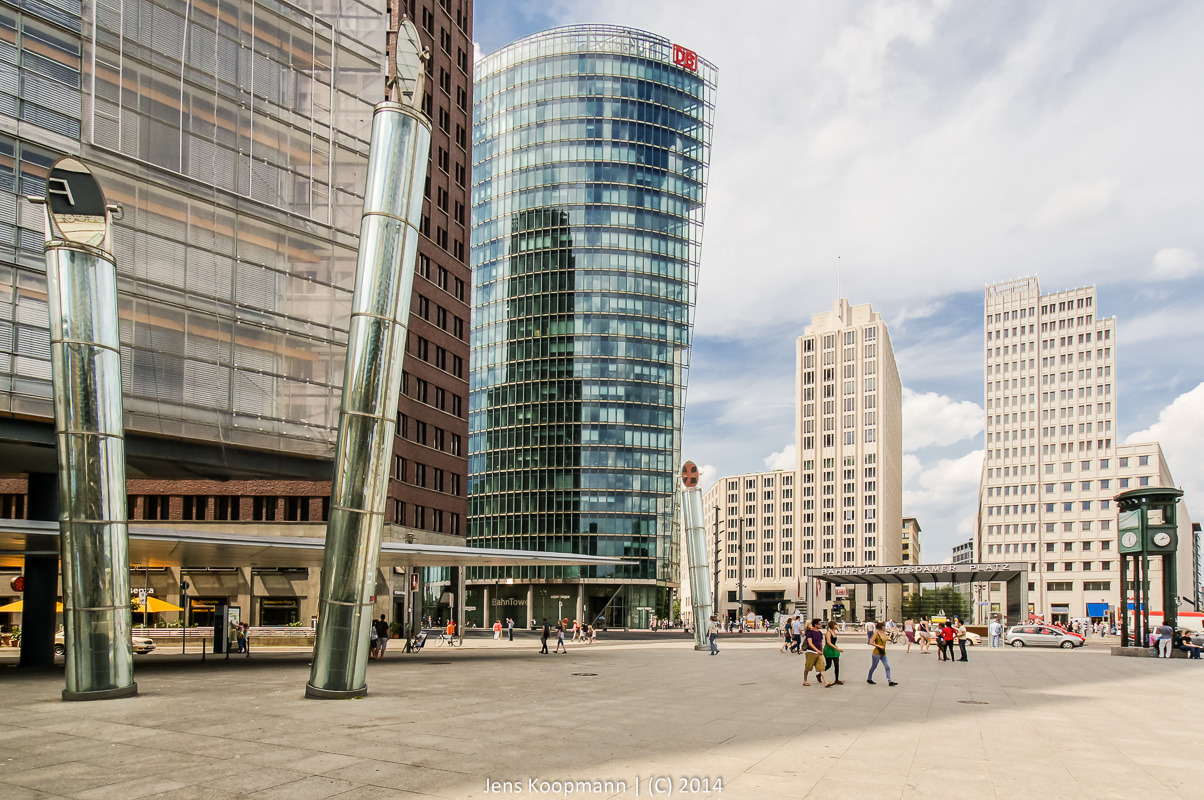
(382, 636)
(543, 640)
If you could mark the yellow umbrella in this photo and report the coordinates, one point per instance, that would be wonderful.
(154, 605)
(19, 606)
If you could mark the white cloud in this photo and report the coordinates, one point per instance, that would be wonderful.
(918, 311)
(943, 498)
(1174, 263)
(935, 147)
(707, 475)
(935, 419)
(1180, 430)
(783, 459)
(1074, 205)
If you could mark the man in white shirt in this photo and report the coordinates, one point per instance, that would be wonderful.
(996, 633)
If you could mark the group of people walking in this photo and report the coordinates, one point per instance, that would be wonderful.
(948, 635)
(582, 632)
(818, 644)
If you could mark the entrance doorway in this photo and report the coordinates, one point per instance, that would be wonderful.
(278, 612)
(200, 610)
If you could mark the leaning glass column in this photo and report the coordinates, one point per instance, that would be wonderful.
(696, 554)
(384, 279)
(85, 370)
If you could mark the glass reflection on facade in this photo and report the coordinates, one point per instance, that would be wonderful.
(590, 147)
(234, 133)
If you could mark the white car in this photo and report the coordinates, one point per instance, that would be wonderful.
(1042, 636)
(142, 644)
(973, 638)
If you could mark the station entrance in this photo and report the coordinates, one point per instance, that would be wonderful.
(1014, 574)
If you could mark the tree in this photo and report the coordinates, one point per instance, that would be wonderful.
(676, 609)
(931, 602)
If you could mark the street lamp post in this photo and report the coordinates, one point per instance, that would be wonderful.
(715, 596)
(740, 572)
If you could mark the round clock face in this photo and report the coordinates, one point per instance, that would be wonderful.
(1129, 539)
(1162, 539)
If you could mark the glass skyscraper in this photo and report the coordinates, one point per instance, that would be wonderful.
(590, 153)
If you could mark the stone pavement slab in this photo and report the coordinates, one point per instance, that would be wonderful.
(618, 719)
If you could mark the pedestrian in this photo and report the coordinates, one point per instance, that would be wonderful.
(925, 637)
(909, 630)
(796, 626)
(373, 640)
(996, 631)
(510, 627)
(832, 653)
(879, 655)
(241, 635)
(960, 627)
(543, 639)
(593, 634)
(948, 634)
(382, 637)
(869, 631)
(497, 629)
(787, 637)
(560, 637)
(1166, 635)
(1188, 645)
(713, 634)
(814, 642)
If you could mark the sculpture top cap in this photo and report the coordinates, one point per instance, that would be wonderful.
(75, 205)
(689, 475)
(406, 83)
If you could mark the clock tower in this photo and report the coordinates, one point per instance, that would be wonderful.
(1147, 527)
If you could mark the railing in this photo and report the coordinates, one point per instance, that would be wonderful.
(207, 632)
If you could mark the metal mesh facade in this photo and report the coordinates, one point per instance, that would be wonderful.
(590, 150)
(234, 134)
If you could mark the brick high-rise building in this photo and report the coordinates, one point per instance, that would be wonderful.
(430, 464)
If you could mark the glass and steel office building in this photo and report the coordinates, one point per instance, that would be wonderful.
(234, 134)
(590, 153)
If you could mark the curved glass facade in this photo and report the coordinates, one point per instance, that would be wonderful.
(590, 148)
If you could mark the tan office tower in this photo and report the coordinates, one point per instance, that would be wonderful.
(1053, 461)
(849, 439)
(913, 551)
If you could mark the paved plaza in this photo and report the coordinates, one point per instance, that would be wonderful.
(1008, 724)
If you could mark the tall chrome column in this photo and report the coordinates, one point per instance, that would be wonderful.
(384, 279)
(696, 553)
(85, 357)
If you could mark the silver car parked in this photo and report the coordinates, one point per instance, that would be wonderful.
(1041, 636)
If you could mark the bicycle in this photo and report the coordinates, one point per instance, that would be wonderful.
(450, 641)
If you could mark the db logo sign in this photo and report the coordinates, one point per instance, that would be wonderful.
(686, 59)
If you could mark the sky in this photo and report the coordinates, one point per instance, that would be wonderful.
(923, 150)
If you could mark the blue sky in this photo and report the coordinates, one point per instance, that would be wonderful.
(932, 148)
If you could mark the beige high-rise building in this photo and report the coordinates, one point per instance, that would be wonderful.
(912, 551)
(1053, 461)
(849, 441)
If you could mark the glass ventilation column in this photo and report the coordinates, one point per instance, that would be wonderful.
(85, 357)
(384, 279)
